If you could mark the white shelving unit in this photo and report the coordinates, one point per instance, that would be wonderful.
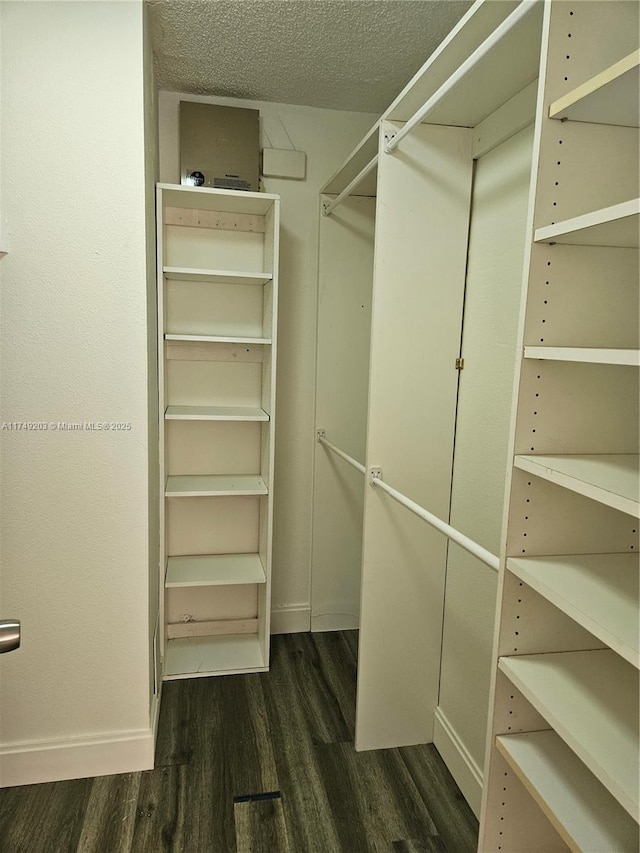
(217, 297)
(563, 748)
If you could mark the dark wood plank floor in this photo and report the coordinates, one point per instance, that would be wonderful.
(262, 763)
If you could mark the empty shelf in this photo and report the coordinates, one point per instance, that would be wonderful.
(611, 226)
(225, 653)
(591, 700)
(611, 479)
(214, 570)
(216, 276)
(218, 339)
(214, 486)
(581, 809)
(611, 97)
(223, 201)
(599, 591)
(215, 413)
(591, 355)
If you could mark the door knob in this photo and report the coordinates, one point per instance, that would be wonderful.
(9, 635)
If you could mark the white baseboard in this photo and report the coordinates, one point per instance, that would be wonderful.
(334, 622)
(459, 760)
(77, 758)
(291, 619)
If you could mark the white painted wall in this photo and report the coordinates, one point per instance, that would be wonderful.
(344, 330)
(74, 509)
(327, 137)
(492, 301)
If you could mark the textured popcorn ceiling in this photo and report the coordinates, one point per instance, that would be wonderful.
(339, 54)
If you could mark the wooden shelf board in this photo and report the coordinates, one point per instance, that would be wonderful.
(611, 97)
(611, 479)
(611, 226)
(225, 201)
(590, 698)
(214, 570)
(216, 276)
(599, 591)
(194, 657)
(586, 816)
(214, 486)
(215, 413)
(590, 355)
(218, 339)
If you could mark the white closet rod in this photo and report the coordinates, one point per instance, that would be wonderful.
(328, 207)
(354, 463)
(508, 24)
(450, 532)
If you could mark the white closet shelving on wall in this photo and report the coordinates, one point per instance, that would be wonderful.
(217, 309)
(563, 753)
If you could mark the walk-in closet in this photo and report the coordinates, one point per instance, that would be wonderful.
(320, 485)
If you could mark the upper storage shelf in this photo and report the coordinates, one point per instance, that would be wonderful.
(476, 96)
(611, 97)
(223, 201)
(359, 158)
(480, 93)
(611, 226)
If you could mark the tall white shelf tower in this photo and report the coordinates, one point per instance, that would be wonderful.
(217, 309)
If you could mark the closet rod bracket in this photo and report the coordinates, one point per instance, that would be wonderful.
(374, 474)
(320, 434)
